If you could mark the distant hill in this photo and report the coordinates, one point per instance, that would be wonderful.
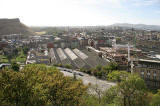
(139, 26)
(14, 26)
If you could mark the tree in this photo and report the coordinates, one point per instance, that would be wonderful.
(133, 91)
(98, 68)
(61, 90)
(15, 52)
(38, 85)
(111, 97)
(68, 66)
(96, 91)
(109, 68)
(15, 66)
(117, 76)
(9, 57)
(112, 66)
(129, 92)
(156, 99)
(25, 50)
(14, 90)
(91, 100)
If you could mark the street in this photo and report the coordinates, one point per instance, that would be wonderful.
(88, 79)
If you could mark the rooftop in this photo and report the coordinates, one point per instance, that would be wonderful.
(153, 61)
(107, 49)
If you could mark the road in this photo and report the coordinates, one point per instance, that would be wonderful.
(102, 84)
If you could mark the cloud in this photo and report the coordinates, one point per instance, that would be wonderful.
(145, 2)
(108, 3)
(158, 11)
(151, 2)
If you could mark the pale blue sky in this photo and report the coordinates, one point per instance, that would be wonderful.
(81, 12)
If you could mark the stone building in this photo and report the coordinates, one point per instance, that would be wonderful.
(149, 70)
(103, 41)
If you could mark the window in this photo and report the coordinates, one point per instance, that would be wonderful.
(148, 76)
(142, 75)
(154, 77)
(158, 83)
(142, 72)
(154, 84)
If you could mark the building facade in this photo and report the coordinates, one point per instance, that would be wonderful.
(149, 70)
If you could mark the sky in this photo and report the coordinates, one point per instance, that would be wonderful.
(81, 12)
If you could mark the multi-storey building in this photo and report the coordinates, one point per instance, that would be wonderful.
(82, 42)
(112, 55)
(149, 70)
(103, 41)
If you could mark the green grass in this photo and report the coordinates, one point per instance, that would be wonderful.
(3, 59)
(20, 58)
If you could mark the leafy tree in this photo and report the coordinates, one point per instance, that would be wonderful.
(15, 66)
(101, 71)
(82, 69)
(88, 71)
(117, 76)
(61, 90)
(133, 91)
(38, 85)
(59, 65)
(91, 100)
(129, 92)
(98, 67)
(14, 90)
(15, 52)
(112, 66)
(111, 97)
(68, 66)
(96, 91)
(156, 99)
(25, 50)
(9, 57)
